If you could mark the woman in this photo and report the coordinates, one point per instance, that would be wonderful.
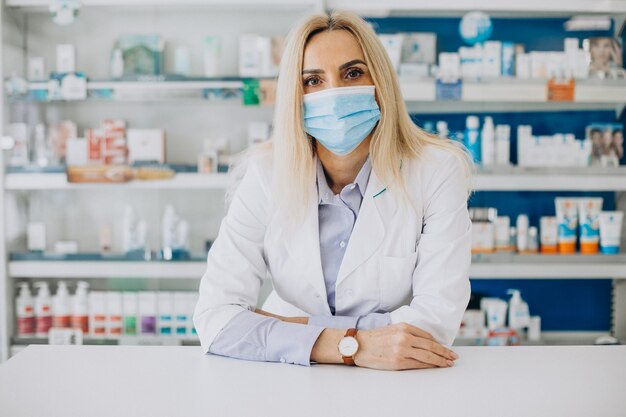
(359, 218)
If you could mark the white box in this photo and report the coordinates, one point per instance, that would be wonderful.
(522, 66)
(76, 152)
(36, 236)
(249, 56)
(66, 58)
(146, 145)
(393, 46)
(419, 48)
(36, 69)
(492, 59)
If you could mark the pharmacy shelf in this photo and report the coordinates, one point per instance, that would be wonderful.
(494, 179)
(497, 90)
(505, 90)
(485, 266)
(550, 179)
(532, 266)
(528, 7)
(58, 181)
(107, 269)
(252, 4)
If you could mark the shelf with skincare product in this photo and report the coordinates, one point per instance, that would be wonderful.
(193, 269)
(58, 181)
(495, 265)
(514, 178)
(238, 4)
(557, 266)
(511, 90)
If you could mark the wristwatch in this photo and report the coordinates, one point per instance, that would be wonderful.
(348, 347)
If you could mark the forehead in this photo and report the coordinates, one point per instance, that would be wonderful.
(331, 48)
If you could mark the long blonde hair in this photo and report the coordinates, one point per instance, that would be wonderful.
(395, 137)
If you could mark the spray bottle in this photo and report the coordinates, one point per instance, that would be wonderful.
(472, 138)
(80, 308)
(61, 306)
(488, 143)
(43, 310)
(24, 306)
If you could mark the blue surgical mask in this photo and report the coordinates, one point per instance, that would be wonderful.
(340, 118)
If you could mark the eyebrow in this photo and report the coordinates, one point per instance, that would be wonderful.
(341, 67)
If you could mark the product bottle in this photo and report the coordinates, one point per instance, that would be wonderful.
(442, 129)
(25, 312)
(488, 143)
(503, 145)
(472, 138)
(43, 310)
(513, 239)
(519, 316)
(533, 240)
(117, 64)
(61, 307)
(80, 308)
(522, 233)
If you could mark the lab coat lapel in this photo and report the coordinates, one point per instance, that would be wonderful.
(304, 248)
(369, 230)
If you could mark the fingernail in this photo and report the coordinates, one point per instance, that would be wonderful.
(450, 363)
(454, 355)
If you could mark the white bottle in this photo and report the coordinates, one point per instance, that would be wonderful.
(503, 145)
(533, 240)
(43, 310)
(522, 233)
(25, 312)
(61, 307)
(117, 64)
(488, 145)
(80, 308)
(442, 129)
(519, 316)
(169, 231)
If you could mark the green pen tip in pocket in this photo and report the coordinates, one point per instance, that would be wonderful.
(380, 192)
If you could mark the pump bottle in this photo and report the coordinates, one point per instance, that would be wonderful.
(61, 306)
(43, 310)
(519, 316)
(80, 308)
(24, 306)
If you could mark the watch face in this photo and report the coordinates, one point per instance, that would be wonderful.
(348, 346)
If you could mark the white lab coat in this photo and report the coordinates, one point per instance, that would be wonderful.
(414, 265)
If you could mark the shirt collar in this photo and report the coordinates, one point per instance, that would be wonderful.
(361, 180)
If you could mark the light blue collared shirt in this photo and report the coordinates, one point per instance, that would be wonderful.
(254, 337)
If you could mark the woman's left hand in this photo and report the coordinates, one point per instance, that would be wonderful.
(298, 320)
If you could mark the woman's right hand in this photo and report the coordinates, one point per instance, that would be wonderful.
(401, 346)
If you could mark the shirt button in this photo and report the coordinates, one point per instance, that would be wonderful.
(342, 244)
(352, 186)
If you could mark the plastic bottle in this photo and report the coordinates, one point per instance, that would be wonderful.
(488, 143)
(519, 316)
(61, 307)
(533, 240)
(442, 129)
(472, 138)
(503, 145)
(80, 308)
(117, 64)
(43, 310)
(522, 233)
(25, 312)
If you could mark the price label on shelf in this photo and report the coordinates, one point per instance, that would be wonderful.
(561, 90)
(448, 91)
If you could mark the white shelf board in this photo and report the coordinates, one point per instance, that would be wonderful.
(503, 265)
(511, 90)
(287, 4)
(490, 266)
(551, 179)
(58, 181)
(530, 7)
(498, 179)
(106, 269)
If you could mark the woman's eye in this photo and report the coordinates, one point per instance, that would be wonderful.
(354, 73)
(312, 82)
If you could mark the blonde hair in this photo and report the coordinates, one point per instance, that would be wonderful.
(395, 137)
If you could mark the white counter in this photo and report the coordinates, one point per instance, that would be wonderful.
(82, 381)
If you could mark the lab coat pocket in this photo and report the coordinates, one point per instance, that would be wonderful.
(396, 279)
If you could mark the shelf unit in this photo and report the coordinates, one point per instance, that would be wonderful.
(507, 92)
(484, 266)
(503, 178)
